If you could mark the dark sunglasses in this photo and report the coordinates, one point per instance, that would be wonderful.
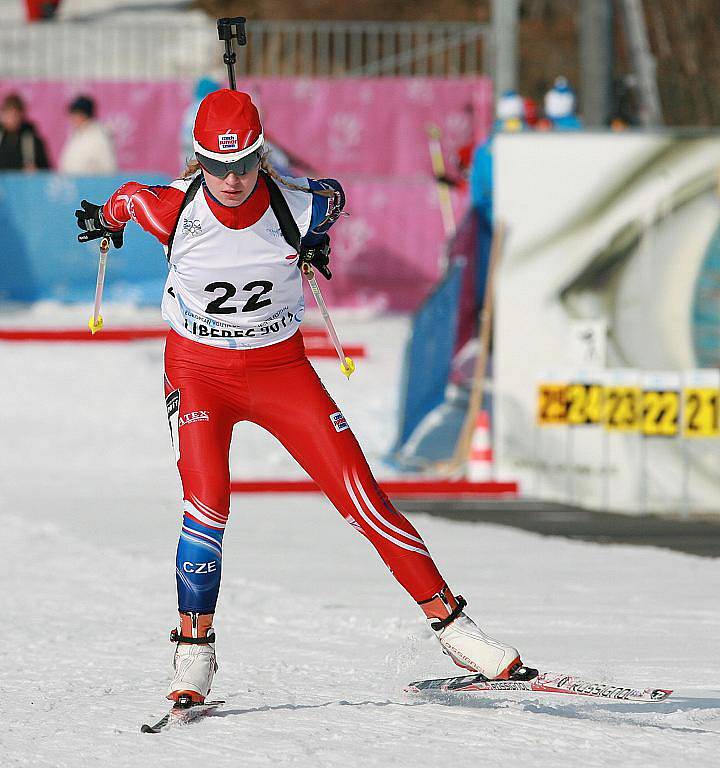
(221, 170)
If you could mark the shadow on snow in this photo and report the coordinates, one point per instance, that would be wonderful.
(595, 709)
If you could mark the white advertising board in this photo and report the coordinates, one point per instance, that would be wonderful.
(608, 235)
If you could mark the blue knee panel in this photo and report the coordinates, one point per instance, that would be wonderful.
(198, 566)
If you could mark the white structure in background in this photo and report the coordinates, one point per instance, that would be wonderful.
(606, 231)
(85, 40)
(87, 9)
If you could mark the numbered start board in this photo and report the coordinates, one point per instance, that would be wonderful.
(655, 404)
(701, 403)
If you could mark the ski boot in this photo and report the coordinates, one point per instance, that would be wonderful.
(194, 660)
(465, 643)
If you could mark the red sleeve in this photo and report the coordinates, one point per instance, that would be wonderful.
(155, 209)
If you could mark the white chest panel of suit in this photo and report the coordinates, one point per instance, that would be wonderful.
(235, 288)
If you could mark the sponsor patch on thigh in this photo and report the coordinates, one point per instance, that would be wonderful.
(192, 417)
(172, 402)
(338, 421)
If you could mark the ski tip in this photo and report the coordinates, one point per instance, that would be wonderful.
(660, 694)
(145, 728)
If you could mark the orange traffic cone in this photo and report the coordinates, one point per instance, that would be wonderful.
(480, 460)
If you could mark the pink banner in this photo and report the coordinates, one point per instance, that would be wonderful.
(373, 126)
(370, 126)
(369, 133)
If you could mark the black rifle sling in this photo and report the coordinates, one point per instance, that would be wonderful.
(189, 195)
(281, 209)
(278, 203)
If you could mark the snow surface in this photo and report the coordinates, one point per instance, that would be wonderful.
(12, 11)
(315, 639)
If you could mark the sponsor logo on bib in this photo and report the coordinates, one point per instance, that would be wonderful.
(191, 227)
(338, 421)
(228, 141)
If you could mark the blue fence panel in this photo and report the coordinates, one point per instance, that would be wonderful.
(40, 257)
(429, 354)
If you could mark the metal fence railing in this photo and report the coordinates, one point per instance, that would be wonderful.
(343, 49)
(125, 50)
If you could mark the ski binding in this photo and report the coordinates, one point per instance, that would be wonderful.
(184, 711)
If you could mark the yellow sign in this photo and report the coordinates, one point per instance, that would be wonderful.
(701, 412)
(622, 408)
(660, 413)
(551, 404)
(654, 412)
(585, 403)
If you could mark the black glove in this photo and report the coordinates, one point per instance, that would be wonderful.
(92, 222)
(318, 256)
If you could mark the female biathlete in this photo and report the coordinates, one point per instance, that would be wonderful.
(234, 302)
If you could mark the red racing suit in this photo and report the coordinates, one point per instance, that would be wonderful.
(209, 389)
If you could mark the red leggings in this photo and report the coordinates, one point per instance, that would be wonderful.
(208, 390)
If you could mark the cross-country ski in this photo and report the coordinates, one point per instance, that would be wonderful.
(544, 682)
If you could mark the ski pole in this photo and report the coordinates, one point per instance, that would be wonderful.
(347, 366)
(438, 166)
(95, 323)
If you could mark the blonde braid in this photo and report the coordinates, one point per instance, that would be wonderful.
(191, 169)
(267, 167)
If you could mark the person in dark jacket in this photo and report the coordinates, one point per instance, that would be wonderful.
(21, 147)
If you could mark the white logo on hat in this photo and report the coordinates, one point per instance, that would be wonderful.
(228, 141)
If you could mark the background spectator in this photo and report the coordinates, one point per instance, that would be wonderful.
(89, 150)
(21, 148)
(560, 107)
(203, 87)
(531, 112)
(625, 107)
(509, 116)
(510, 112)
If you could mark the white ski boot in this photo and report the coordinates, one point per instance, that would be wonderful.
(194, 660)
(465, 643)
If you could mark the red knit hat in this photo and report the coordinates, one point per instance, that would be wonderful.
(227, 126)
